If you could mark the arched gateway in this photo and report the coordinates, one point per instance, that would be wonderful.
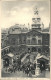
(41, 63)
(34, 49)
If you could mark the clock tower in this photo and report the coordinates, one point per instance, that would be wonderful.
(36, 21)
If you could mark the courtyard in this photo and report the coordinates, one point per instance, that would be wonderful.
(18, 74)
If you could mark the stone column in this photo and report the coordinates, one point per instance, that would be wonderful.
(37, 39)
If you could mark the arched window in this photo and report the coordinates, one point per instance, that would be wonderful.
(23, 40)
(34, 41)
(34, 49)
(28, 41)
(17, 41)
(39, 50)
(13, 40)
(39, 42)
(28, 49)
(34, 57)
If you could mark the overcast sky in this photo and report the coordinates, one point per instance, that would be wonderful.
(22, 11)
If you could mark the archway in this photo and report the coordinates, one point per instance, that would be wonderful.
(42, 65)
(29, 50)
(39, 50)
(34, 49)
(34, 41)
(6, 62)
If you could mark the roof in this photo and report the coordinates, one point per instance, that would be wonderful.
(34, 32)
(43, 57)
(10, 55)
(46, 30)
(4, 31)
(5, 48)
(22, 60)
(17, 29)
(15, 26)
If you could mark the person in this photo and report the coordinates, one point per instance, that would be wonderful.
(23, 68)
(30, 74)
(42, 68)
(14, 69)
(27, 71)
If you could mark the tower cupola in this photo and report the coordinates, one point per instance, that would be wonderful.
(36, 20)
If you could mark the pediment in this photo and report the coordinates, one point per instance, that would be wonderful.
(34, 32)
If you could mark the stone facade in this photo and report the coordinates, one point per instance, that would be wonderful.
(33, 41)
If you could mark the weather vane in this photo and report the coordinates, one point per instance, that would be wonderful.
(36, 11)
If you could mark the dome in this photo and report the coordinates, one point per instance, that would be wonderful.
(16, 26)
(15, 29)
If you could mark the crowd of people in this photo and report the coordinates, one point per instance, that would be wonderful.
(27, 68)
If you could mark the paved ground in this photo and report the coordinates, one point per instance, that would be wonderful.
(44, 74)
(16, 74)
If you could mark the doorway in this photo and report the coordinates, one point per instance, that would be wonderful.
(34, 49)
(42, 65)
(6, 62)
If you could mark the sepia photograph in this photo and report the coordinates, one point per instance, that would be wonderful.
(25, 39)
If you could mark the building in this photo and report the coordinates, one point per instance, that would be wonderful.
(8, 59)
(34, 41)
(4, 38)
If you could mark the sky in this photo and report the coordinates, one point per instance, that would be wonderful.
(22, 12)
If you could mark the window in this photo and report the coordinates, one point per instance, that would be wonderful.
(13, 40)
(39, 36)
(39, 50)
(28, 41)
(34, 49)
(34, 35)
(34, 57)
(17, 41)
(28, 49)
(46, 50)
(34, 41)
(23, 40)
(39, 42)
(38, 19)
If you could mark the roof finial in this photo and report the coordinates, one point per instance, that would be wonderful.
(36, 11)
